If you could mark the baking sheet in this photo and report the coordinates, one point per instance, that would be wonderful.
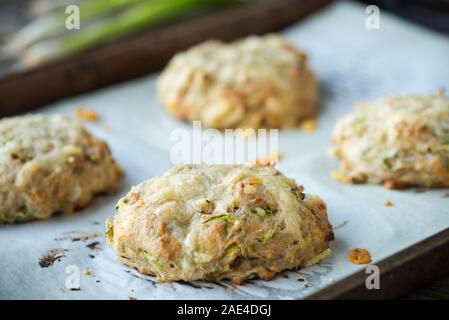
(352, 63)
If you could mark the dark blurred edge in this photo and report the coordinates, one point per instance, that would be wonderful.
(433, 14)
(139, 55)
(400, 274)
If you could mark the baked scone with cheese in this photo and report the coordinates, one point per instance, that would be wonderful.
(50, 164)
(255, 82)
(398, 141)
(214, 222)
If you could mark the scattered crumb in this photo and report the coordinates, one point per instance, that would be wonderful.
(388, 203)
(87, 272)
(248, 133)
(359, 256)
(93, 245)
(340, 177)
(51, 256)
(91, 256)
(307, 285)
(341, 225)
(285, 276)
(78, 236)
(269, 160)
(394, 185)
(96, 223)
(75, 289)
(301, 279)
(132, 298)
(97, 281)
(106, 127)
(85, 114)
(308, 125)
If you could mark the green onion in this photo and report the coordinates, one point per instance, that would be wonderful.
(307, 239)
(233, 248)
(109, 230)
(218, 217)
(267, 236)
(264, 212)
(446, 140)
(150, 258)
(388, 156)
(46, 38)
(3, 140)
(358, 121)
(53, 23)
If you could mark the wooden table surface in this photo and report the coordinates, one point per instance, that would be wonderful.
(436, 290)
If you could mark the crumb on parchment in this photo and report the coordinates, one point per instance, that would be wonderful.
(87, 272)
(388, 203)
(359, 256)
(85, 114)
(269, 160)
(340, 177)
(51, 256)
(308, 125)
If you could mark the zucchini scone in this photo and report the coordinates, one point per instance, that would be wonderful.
(214, 222)
(255, 82)
(50, 164)
(398, 141)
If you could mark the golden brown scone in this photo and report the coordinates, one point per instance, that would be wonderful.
(50, 164)
(255, 82)
(398, 141)
(214, 222)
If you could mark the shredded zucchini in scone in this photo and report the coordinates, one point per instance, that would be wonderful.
(50, 164)
(398, 141)
(254, 82)
(215, 222)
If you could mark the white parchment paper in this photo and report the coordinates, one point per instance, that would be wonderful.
(352, 63)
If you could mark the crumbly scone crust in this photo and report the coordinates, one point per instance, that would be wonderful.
(399, 141)
(215, 222)
(255, 82)
(50, 164)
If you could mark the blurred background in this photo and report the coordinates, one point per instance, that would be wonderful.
(33, 32)
(124, 39)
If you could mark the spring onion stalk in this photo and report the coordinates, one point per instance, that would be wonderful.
(53, 23)
(40, 7)
(133, 19)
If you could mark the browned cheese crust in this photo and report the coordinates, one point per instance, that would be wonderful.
(50, 164)
(255, 82)
(214, 222)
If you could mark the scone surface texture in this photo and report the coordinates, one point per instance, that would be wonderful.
(50, 164)
(255, 82)
(213, 222)
(398, 141)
